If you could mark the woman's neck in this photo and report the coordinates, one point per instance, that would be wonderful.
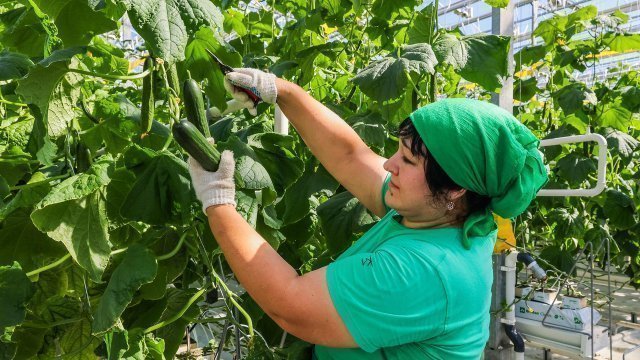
(431, 224)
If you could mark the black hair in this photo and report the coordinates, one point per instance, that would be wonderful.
(437, 179)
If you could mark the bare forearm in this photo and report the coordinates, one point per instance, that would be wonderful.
(258, 267)
(328, 137)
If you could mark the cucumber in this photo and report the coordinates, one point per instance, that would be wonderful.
(83, 157)
(194, 106)
(196, 145)
(148, 102)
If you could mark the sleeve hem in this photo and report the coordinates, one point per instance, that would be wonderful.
(345, 314)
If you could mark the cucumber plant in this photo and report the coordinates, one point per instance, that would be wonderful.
(106, 251)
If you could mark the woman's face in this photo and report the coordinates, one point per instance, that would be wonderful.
(409, 192)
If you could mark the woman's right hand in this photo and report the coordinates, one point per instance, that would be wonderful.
(260, 83)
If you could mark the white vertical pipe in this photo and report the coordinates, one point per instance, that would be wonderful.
(510, 286)
(281, 122)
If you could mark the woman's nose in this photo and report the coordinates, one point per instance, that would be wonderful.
(389, 165)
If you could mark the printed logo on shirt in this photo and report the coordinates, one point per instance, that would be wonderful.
(367, 261)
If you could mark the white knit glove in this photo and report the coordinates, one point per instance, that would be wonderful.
(259, 82)
(217, 187)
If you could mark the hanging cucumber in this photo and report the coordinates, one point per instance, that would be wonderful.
(83, 158)
(196, 145)
(194, 106)
(147, 110)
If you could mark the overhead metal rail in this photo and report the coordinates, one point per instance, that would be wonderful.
(628, 7)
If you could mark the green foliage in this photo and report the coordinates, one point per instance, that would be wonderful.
(563, 106)
(167, 24)
(118, 253)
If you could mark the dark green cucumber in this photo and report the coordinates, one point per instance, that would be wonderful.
(194, 106)
(83, 157)
(147, 110)
(196, 145)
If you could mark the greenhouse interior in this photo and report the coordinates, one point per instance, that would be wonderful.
(323, 179)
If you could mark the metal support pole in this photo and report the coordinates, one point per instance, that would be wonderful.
(502, 24)
(499, 346)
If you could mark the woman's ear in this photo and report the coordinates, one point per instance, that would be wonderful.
(454, 195)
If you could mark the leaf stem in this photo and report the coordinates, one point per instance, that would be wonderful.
(111, 76)
(178, 315)
(11, 102)
(47, 267)
(175, 250)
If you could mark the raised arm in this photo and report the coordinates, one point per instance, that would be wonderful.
(330, 139)
(335, 144)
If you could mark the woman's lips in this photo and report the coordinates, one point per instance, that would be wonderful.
(393, 185)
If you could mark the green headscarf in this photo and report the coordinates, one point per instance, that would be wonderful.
(483, 148)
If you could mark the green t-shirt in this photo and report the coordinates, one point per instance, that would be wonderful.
(412, 293)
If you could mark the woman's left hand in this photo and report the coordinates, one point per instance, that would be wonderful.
(214, 187)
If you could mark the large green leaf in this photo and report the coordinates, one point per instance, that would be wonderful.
(621, 142)
(299, 197)
(478, 58)
(615, 115)
(15, 165)
(22, 31)
(16, 133)
(77, 23)
(622, 42)
(387, 79)
(161, 193)
(524, 90)
(21, 241)
(53, 90)
(565, 25)
(529, 55)
(81, 185)
(370, 127)
(558, 257)
(78, 342)
(27, 196)
(166, 25)
(572, 97)
(631, 98)
(16, 290)
(576, 168)
(138, 267)
(253, 173)
(390, 9)
(201, 66)
(422, 27)
(275, 154)
(120, 126)
(578, 20)
(13, 65)
(619, 208)
(341, 217)
(74, 213)
(81, 225)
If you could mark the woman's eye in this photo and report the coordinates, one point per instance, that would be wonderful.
(406, 161)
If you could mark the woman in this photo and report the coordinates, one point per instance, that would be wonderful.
(418, 284)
